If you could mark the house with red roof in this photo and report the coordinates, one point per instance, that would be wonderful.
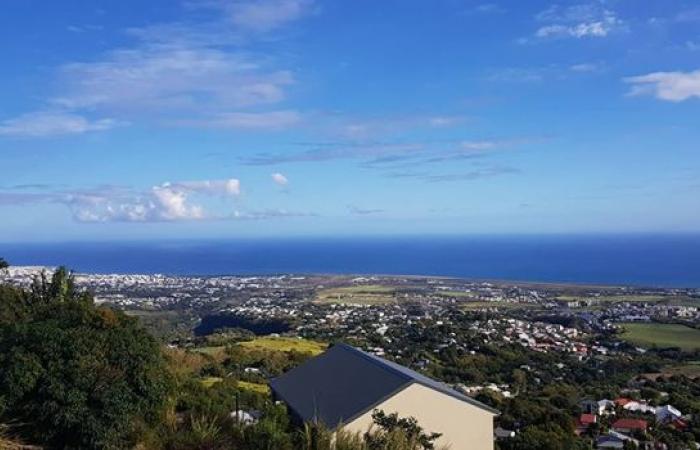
(629, 425)
(584, 421)
(622, 401)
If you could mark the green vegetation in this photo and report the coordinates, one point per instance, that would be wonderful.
(461, 294)
(259, 388)
(616, 298)
(211, 381)
(690, 370)
(77, 376)
(662, 335)
(362, 295)
(212, 350)
(467, 305)
(283, 344)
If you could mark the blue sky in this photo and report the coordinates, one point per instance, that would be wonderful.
(238, 118)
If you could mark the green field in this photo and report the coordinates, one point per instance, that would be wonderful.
(260, 388)
(662, 335)
(503, 305)
(363, 295)
(282, 344)
(254, 387)
(211, 381)
(616, 298)
(460, 294)
(690, 369)
(212, 351)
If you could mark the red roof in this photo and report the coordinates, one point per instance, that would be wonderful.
(630, 424)
(622, 401)
(587, 419)
(679, 424)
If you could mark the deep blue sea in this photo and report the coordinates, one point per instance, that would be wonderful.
(648, 260)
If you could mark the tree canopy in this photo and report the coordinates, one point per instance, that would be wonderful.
(75, 375)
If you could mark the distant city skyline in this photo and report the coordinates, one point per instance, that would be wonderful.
(253, 118)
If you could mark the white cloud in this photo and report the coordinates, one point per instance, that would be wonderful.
(167, 202)
(166, 80)
(201, 72)
(669, 86)
(47, 123)
(480, 145)
(578, 21)
(266, 15)
(279, 179)
(586, 67)
(230, 187)
(588, 29)
(445, 121)
(271, 120)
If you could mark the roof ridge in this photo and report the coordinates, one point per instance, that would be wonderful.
(419, 379)
(380, 362)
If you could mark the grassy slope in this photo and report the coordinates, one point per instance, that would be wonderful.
(662, 335)
(282, 344)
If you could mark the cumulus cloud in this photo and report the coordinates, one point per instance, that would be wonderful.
(167, 202)
(279, 179)
(669, 86)
(48, 123)
(181, 201)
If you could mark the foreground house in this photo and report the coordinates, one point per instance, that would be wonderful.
(343, 386)
(629, 425)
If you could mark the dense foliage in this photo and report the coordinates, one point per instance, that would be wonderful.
(73, 375)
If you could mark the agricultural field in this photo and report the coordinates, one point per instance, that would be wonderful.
(361, 295)
(662, 335)
(615, 298)
(690, 370)
(457, 294)
(467, 305)
(284, 344)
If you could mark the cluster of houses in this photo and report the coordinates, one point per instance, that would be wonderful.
(537, 336)
(637, 417)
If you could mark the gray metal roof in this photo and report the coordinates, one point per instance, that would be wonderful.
(344, 382)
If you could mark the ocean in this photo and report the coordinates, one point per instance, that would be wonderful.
(642, 260)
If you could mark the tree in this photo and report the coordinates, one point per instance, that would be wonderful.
(79, 376)
(3, 264)
(391, 425)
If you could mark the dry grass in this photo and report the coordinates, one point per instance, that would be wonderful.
(285, 344)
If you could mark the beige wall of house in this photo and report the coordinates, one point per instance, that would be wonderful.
(463, 426)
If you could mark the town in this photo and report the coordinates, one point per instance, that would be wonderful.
(584, 357)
